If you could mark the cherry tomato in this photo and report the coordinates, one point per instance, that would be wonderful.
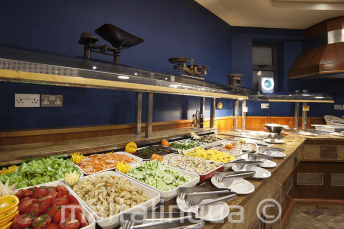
(45, 205)
(33, 209)
(41, 222)
(62, 189)
(15, 224)
(60, 201)
(52, 210)
(24, 221)
(53, 193)
(29, 192)
(59, 216)
(71, 224)
(20, 194)
(82, 219)
(22, 208)
(24, 199)
(54, 226)
(73, 208)
(72, 199)
(39, 193)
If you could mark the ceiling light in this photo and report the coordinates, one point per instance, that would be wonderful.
(123, 77)
(319, 97)
(94, 67)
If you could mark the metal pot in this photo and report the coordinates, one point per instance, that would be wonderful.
(275, 128)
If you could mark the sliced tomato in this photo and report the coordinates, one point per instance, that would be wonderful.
(39, 193)
(54, 226)
(70, 224)
(22, 208)
(25, 221)
(33, 209)
(29, 192)
(15, 225)
(45, 205)
(24, 199)
(62, 189)
(82, 219)
(60, 201)
(52, 210)
(73, 208)
(20, 193)
(41, 222)
(61, 215)
(53, 193)
(72, 199)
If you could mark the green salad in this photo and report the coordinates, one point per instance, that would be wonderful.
(39, 172)
(185, 145)
(157, 175)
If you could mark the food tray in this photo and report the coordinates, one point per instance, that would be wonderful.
(155, 145)
(113, 221)
(202, 144)
(255, 145)
(90, 218)
(139, 160)
(167, 195)
(209, 175)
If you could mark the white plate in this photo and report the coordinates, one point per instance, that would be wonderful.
(276, 141)
(218, 210)
(260, 172)
(266, 163)
(240, 185)
(274, 153)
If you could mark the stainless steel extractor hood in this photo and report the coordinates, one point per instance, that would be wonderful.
(323, 51)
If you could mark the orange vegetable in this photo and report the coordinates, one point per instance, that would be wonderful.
(229, 146)
(157, 157)
(165, 143)
(131, 147)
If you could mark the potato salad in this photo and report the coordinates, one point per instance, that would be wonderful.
(211, 155)
(191, 164)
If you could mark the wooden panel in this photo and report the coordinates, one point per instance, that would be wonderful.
(324, 26)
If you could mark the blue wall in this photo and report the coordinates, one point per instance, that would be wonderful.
(169, 28)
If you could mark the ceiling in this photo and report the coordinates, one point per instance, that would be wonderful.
(288, 14)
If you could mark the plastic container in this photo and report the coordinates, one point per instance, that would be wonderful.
(139, 160)
(113, 221)
(89, 217)
(167, 195)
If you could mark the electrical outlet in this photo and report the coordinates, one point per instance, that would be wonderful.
(338, 107)
(264, 105)
(27, 100)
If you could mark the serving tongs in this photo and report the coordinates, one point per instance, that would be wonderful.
(241, 163)
(232, 175)
(255, 157)
(195, 199)
(177, 223)
(264, 149)
(183, 192)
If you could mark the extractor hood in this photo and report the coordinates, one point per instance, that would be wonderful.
(322, 53)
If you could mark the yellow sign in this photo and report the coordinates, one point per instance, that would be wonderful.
(305, 108)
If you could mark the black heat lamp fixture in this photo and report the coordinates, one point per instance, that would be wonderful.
(117, 37)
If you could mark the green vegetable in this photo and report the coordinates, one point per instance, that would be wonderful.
(159, 176)
(185, 145)
(39, 171)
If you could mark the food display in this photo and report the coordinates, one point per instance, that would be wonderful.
(101, 162)
(8, 210)
(146, 153)
(157, 175)
(244, 146)
(123, 167)
(191, 164)
(39, 172)
(108, 195)
(77, 158)
(211, 155)
(131, 147)
(72, 178)
(234, 152)
(209, 139)
(48, 207)
(185, 144)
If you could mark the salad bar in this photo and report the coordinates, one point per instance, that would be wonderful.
(107, 185)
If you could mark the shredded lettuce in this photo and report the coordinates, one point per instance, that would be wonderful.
(39, 171)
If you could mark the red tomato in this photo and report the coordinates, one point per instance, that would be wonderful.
(24, 199)
(71, 224)
(73, 208)
(59, 216)
(20, 193)
(72, 199)
(22, 208)
(52, 210)
(53, 226)
(45, 205)
(53, 193)
(62, 189)
(82, 219)
(15, 225)
(60, 201)
(39, 193)
(29, 192)
(41, 222)
(33, 209)
(24, 221)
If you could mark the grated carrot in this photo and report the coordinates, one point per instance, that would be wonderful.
(100, 162)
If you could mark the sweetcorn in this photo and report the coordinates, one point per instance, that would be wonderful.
(212, 155)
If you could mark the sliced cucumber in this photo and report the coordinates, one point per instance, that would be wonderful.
(165, 188)
(160, 173)
(187, 178)
(168, 179)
